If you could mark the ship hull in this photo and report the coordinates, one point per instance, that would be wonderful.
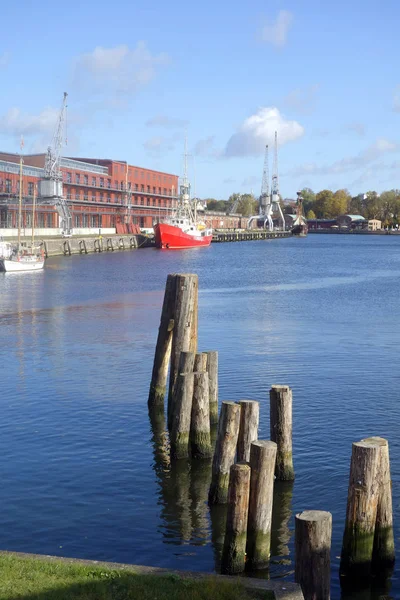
(14, 266)
(300, 230)
(173, 238)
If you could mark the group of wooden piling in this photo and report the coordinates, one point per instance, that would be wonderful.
(244, 468)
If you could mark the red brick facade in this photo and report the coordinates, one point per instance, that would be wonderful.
(98, 192)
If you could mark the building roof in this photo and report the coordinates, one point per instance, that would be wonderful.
(355, 217)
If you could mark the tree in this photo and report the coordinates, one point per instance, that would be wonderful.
(218, 205)
(372, 208)
(308, 199)
(248, 205)
(341, 203)
(310, 214)
(323, 205)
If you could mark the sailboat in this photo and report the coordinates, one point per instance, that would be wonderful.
(23, 257)
(183, 229)
(300, 226)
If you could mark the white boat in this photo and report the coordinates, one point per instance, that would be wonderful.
(21, 256)
(24, 259)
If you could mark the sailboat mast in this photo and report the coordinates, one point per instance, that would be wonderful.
(20, 195)
(194, 188)
(33, 213)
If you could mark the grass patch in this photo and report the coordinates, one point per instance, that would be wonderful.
(31, 579)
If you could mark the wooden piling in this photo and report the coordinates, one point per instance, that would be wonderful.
(262, 463)
(185, 321)
(248, 430)
(281, 430)
(225, 451)
(313, 534)
(200, 439)
(163, 347)
(362, 504)
(186, 363)
(181, 417)
(234, 551)
(200, 362)
(212, 368)
(383, 556)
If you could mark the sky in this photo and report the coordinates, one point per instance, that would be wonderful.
(142, 75)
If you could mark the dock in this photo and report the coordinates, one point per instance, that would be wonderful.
(248, 235)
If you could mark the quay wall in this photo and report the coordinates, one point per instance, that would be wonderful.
(89, 245)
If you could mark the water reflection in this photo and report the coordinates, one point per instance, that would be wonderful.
(376, 589)
(281, 534)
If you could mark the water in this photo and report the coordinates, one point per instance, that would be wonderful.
(82, 473)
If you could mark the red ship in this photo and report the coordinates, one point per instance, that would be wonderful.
(183, 229)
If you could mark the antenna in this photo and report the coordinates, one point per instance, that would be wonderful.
(275, 178)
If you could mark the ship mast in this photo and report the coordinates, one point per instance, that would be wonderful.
(21, 161)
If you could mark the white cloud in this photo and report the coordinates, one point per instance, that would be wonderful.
(259, 129)
(206, 147)
(230, 180)
(166, 122)
(380, 147)
(4, 60)
(15, 122)
(159, 145)
(357, 128)
(302, 99)
(251, 180)
(276, 32)
(120, 70)
(396, 99)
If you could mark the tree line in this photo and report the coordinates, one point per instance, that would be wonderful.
(327, 204)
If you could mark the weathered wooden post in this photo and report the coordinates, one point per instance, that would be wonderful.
(262, 463)
(163, 347)
(200, 362)
(181, 417)
(185, 321)
(225, 451)
(383, 556)
(186, 363)
(362, 504)
(200, 422)
(212, 368)
(234, 551)
(281, 430)
(313, 547)
(248, 430)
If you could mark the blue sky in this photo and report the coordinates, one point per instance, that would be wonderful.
(140, 74)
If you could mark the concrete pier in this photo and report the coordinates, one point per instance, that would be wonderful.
(88, 245)
(248, 235)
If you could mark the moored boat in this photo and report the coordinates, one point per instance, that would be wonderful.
(183, 229)
(300, 226)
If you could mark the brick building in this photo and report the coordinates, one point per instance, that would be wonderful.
(100, 193)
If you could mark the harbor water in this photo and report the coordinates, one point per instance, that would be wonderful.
(85, 474)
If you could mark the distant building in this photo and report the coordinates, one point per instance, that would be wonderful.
(374, 225)
(352, 221)
(314, 224)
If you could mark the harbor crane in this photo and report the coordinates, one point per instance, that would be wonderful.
(51, 185)
(269, 200)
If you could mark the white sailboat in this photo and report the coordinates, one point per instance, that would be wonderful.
(22, 256)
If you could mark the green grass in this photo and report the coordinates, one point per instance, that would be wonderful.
(31, 579)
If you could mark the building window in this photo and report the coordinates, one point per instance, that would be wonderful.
(136, 187)
(148, 176)
(94, 181)
(69, 177)
(142, 188)
(109, 183)
(101, 181)
(78, 195)
(148, 201)
(93, 196)
(101, 197)
(159, 190)
(77, 178)
(154, 190)
(135, 200)
(86, 179)
(30, 188)
(141, 201)
(141, 221)
(77, 220)
(109, 199)
(69, 195)
(8, 186)
(85, 196)
(122, 185)
(165, 191)
(116, 184)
